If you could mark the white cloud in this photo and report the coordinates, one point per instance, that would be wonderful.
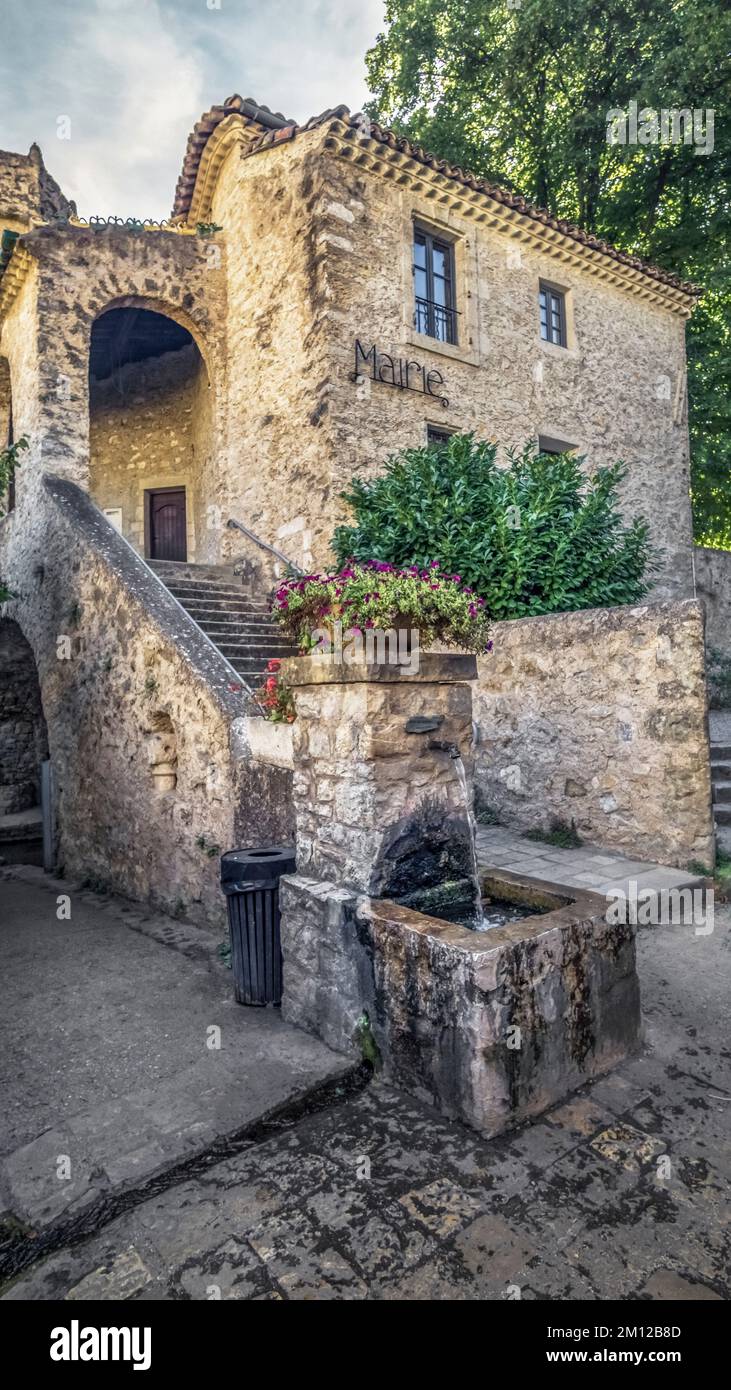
(133, 76)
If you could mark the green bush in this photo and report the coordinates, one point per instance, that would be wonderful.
(537, 536)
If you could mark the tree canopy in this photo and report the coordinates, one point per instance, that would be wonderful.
(518, 91)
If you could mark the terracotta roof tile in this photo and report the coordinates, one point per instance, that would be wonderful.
(278, 129)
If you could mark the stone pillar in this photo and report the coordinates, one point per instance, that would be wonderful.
(372, 792)
(492, 1026)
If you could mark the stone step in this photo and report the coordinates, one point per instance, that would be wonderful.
(206, 613)
(181, 570)
(251, 628)
(720, 752)
(721, 792)
(215, 595)
(720, 772)
(196, 588)
(257, 655)
(722, 814)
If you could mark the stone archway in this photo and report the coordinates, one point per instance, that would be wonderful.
(23, 747)
(152, 431)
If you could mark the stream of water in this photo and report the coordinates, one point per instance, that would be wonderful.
(480, 923)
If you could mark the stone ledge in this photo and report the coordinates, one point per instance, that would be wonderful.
(440, 668)
(268, 742)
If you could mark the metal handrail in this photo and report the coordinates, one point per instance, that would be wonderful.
(234, 525)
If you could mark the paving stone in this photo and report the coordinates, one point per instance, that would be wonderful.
(300, 1261)
(123, 1277)
(232, 1270)
(441, 1207)
(668, 1285)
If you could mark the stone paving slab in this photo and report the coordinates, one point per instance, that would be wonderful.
(588, 867)
(620, 1192)
(124, 1054)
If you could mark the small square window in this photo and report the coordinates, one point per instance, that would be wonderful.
(435, 435)
(434, 299)
(552, 306)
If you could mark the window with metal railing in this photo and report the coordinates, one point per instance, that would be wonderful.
(435, 313)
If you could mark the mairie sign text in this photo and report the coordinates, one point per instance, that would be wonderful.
(402, 372)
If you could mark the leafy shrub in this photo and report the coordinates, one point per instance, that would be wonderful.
(379, 595)
(537, 536)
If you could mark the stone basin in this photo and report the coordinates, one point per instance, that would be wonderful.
(491, 1027)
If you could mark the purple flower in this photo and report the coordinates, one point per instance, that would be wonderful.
(488, 648)
(472, 611)
(457, 578)
(434, 565)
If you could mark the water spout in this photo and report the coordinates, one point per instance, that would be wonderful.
(441, 746)
(462, 777)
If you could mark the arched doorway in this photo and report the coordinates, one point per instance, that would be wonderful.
(23, 748)
(150, 431)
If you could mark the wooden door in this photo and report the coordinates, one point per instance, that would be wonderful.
(166, 527)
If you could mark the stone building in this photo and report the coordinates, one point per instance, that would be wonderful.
(322, 295)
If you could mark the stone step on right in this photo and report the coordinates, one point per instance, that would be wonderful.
(722, 813)
(720, 752)
(722, 792)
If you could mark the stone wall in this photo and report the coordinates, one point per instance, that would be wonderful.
(150, 427)
(598, 719)
(713, 587)
(146, 720)
(28, 193)
(74, 275)
(23, 741)
(366, 790)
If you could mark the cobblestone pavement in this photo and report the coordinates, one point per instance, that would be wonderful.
(621, 1192)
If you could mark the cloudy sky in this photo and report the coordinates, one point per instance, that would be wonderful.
(129, 78)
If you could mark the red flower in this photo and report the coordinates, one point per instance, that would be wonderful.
(273, 665)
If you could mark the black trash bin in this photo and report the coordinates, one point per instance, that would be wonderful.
(250, 880)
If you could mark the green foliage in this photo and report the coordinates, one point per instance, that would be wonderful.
(537, 536)
(520, 95)
(363, 1037)
(560, 834)
(381, 595)
(9, 462)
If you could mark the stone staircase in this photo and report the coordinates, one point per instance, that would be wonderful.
(721, 782)
(237, 623)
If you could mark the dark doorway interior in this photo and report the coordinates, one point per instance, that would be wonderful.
(165, 527)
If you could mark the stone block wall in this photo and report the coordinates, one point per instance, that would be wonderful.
(23, 741)
(146, 720)
(713, 587)
(599, 719)
(367, 791)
